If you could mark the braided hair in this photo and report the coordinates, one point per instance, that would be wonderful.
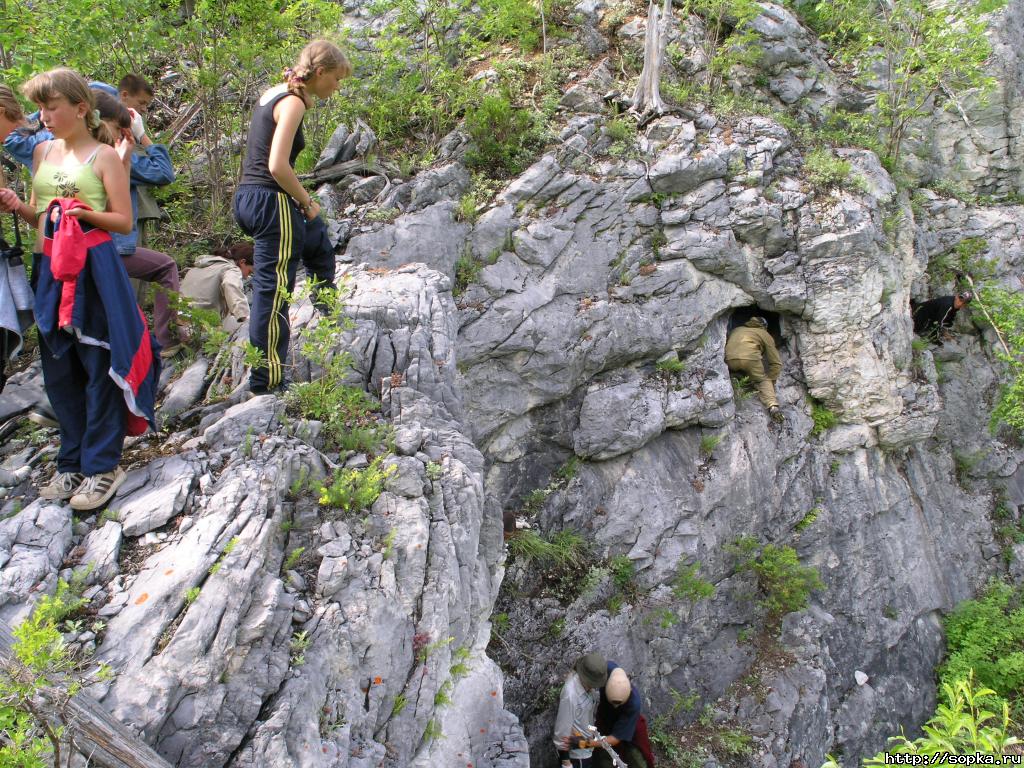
(319, 53)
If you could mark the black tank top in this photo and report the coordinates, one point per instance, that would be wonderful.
(255, 169)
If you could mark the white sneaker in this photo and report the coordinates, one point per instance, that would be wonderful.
(96, 490)
(62, 486)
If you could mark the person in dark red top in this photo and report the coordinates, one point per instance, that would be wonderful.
(621, 720)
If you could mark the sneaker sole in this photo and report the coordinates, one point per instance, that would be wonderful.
(84, 506)
(42, 420)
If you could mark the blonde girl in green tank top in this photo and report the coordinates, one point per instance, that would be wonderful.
(81, 161)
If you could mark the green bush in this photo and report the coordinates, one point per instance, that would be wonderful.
(620, 129)
(504, 136)
(986, 636)
(972, 720)
(807, 520)
(825, 170)
(467, 271)
(569, 470)
(32, 736)
(352, 490)
(672, 366)
(687, 585)
(623, 572)
(708, 443)
(347, 412)
(966, 258)
(823, 419)
(784, 584)
(563, 549)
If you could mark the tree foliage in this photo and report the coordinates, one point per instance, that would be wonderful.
(985, 637)
(222, 51)
(1005, 309)
(728, 37)
(919, 50)
(33, 735)
(784, 585)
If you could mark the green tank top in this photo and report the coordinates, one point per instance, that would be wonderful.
(72, 179)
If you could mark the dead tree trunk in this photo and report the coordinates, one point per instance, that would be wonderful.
(647, 97)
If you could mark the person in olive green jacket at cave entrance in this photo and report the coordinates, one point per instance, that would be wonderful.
(745, 353)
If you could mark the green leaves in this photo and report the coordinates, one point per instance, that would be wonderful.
(352, 490)
(29, 734)
(985, 637)
(1006, 313)
(920, 50)
(346, 411)
(783, 583)
(971, 719)
(504, 136)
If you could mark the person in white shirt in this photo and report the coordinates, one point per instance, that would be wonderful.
(576, 708)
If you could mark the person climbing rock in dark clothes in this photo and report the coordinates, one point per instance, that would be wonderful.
(621, 720)
(933, 319)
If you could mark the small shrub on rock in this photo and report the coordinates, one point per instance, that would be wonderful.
(986, 636)
(825, 170)
(784, 584)
(504, 136)
(687, 585)
(351, 490)
(347, 412)
(564, 548)
(973, 721)
(823, 419)
(467, 271)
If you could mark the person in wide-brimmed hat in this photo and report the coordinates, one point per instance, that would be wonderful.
(576, 707)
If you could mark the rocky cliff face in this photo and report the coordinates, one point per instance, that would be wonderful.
(535, 393)
(248, 626)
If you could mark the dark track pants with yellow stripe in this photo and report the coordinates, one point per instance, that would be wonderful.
(282, 237)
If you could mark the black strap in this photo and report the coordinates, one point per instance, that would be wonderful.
(12, 255)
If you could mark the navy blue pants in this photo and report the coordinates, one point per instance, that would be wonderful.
(89, 406)
(281, 237)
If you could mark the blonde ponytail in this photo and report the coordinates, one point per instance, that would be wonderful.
(319, 53)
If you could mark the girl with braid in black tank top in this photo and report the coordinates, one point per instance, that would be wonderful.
(273, 208)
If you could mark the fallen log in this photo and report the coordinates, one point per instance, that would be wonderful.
(97, 734)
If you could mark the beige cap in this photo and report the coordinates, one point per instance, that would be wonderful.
(617, 689)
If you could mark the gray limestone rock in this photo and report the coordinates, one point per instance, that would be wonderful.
(33, 544)
(449, 182)
(367, 189)
(245, 421)
(267, 629)
(429, 236)
(102, 547)
(186, 391)
(154, 495)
